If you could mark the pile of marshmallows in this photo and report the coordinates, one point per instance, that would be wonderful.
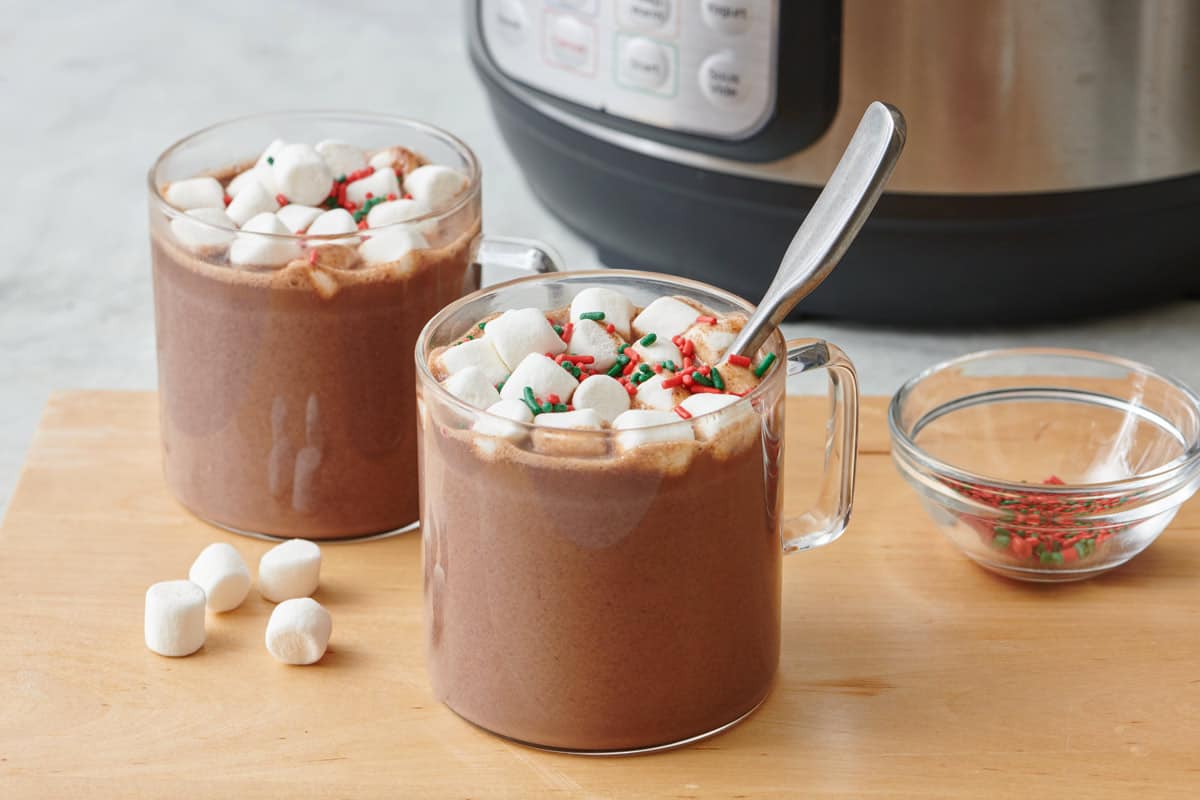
(512, 352)
(299, 628)
(283, 194)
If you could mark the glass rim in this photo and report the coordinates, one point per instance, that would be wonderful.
(904, 445)
(474, 172)
(775, 340)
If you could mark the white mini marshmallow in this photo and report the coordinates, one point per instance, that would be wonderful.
(514, 410)
(196, 193)
(579, 419)
(661, 350)
(638, 427)
(711, 344)
(518, 332)
(651, 394)
(250, 202)
(380, 183)
(475, 353)
(395, 211)
(591, 339)
(296, 218)
(264, 251)
(301, 174)
(340, 157)
(291, 569)
(701, 406)
(391, 246)
(602, 394)
(272, 150)
(472, 387)
(434, 185)
(335, 222)
(666, 317)
(241, 181)
(174, 624)
(221, 573)
(540, 374)
(618, 309)
(298, 631)
(191, 230)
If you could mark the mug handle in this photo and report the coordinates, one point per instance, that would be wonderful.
(826, 521)
(508, 252)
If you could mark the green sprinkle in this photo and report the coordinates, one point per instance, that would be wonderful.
(500, 385)
(1000, 541)
(560, 407)
(622, 360)
(615, 370)
(558, 329)
(530, 401)
(699, 378)
(717, 380)
(1051, 558)
(764, 365)
(648, 339)
(595, 316)
(623, 348)
(341, 179)
(637, 377)
(547, 407)
(271, 160)
(358, 215)
(482, 325)
(646, 368)
(669, 364)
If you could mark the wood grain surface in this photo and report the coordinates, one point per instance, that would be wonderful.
(906, 671)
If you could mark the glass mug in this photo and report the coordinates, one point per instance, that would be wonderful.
(285, 395)
(586, 600)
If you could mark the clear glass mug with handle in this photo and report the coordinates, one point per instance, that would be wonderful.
(285, 382)
(585, 595)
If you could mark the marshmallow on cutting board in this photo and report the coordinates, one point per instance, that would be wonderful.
(540, 374)
(301, 174)
(602, 394)
(196, 193)
(341, 158)
(249, 249)
(221, 573)
(251, 201)
(174, 624)
(666, 317)
(471, 386)
(520, 331)
(477, 353)
(616, 307)
(288, 570)
(592, 339)
(298, 631)
(434, 185)
(191, 230)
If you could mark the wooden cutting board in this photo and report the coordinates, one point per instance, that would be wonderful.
(906, 670)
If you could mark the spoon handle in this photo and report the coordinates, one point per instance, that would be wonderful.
(832, 223)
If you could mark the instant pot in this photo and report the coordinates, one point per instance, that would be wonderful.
(1052, 168)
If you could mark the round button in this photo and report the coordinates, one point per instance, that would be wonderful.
(644, 64)
(512, 21)
(721, 80)
(644, 13)
(726, 16)
(570, 42)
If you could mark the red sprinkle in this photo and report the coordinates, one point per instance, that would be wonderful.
(672, 382)
(312, 256)
(610, 328)
(553, 398)
(407, 196)
(370, 196)
(228, 199)
(391, 196)
(707, 320)
(279, 198)
(578, 359)
(683, 412)
(362, 226)
(687, 379)
(739, 361)
(698, 389)
(658, 368)
(629, 367)
(629, 387)
(568, 329)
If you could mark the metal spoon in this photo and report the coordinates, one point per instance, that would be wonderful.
(832, 223)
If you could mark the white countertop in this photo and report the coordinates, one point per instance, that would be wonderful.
(94, 93)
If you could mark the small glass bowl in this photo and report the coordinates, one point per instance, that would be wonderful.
(1046, 464)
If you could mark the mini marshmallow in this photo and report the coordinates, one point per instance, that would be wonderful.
(340, 157)
(602, 394)
(700, 406)
(618, 309)
(638, 427)
(580, 419)
(264, 251)
(661, 350)
(434, 185)
(380, 183)
(298, 631)
(591, 339)
(301, 174)
(472, 387)
(174, 624)
(262, 167)
(221, 573)
(268, 155)
(196, 193)
(711, 343)
(513, 410)
(296, 218)
(394, 158)
(540, 374)
(666, 317)
(651, 394)
(395, 211)
(335, 222)
(475, 353)
(390, 246)
(250, 202)
(291, 569)
(241, 181)
(518, 332)
(192, 232)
